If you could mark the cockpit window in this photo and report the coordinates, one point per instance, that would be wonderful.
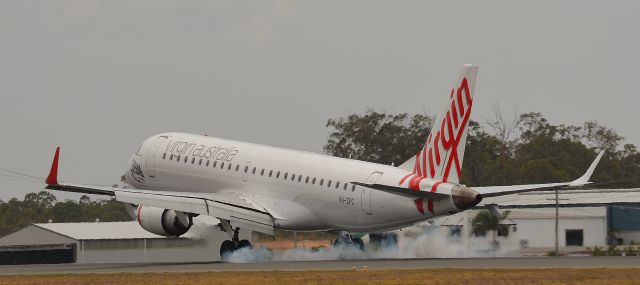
(139, 151)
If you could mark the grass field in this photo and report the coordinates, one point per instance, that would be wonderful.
(436, 276)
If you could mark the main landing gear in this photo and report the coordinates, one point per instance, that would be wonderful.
(383, 240)
(229, 246)
(346, 240)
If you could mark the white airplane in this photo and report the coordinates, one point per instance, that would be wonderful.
(176, 176)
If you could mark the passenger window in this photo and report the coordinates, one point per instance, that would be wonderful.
(229, 167)
(246, 169)
(200, 162)
(185, 159)
(193, 160)
(253, 171)
(313, 181)
(278, 174)
(337, 184)
(171, 157)
(222, 165)
(164, 155)
(262, 172)
(215, 162)
(321, 181)
(306, 180)
(299, 178)
(178, 159)
(329, 183)
(344, 187)
(238, 167)
(270, 173)
(285, 175)
(293, 177)
(353, 187)
(208, 162)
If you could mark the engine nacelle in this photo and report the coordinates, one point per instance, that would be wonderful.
(164, 222)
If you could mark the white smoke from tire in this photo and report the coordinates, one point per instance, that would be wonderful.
(434, 242)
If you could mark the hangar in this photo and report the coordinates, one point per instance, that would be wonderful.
(586, 218)
(109, 242)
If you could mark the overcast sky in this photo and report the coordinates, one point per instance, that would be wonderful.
(98, 77)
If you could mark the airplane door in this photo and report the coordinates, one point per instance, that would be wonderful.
(153, 155)
(365, 197)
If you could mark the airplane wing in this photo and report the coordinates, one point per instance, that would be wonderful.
(490, 191)
(495, 191)
(226, 205)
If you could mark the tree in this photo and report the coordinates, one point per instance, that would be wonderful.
(84, 200)
(485, 222)
(42, 199)
(487, 160)
(378, 137)
(67, 211)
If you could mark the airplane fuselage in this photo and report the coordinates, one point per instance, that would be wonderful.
(303, 191)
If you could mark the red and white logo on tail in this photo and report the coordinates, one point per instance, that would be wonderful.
(440, 159)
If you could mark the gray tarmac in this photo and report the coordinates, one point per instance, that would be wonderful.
(378, 264)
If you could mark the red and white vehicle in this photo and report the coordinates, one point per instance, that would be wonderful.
(175, 176)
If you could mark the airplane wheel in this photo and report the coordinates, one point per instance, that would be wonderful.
(358, 243)
(226, 248)
(244, 244)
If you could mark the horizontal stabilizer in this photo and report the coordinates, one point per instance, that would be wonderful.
(405, 191)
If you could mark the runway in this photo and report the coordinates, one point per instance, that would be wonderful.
(379, 264)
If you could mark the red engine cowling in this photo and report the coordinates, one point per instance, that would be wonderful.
(164, 222)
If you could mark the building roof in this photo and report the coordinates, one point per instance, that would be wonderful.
(567, 198)
(34, 236)
(563, 213)
(121, 230)
(94, 231)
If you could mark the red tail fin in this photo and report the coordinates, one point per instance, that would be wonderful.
(52, 179)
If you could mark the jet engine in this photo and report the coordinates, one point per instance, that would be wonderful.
(164, 222)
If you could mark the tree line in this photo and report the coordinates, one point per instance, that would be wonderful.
(43, 207)
(527, 149)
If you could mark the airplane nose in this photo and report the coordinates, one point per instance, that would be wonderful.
(465, 198)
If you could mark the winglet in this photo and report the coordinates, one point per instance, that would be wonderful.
(587, 175)
(52, 179)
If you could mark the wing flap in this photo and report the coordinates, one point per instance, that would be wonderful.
(78, 188)
(179, 203)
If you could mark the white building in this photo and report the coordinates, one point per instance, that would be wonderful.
(583, 227)
(586, 218)
(110, 242)
(535, 228)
